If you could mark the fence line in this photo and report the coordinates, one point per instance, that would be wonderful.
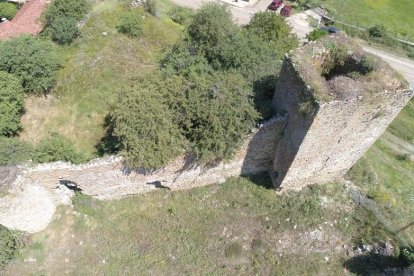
(362, 29)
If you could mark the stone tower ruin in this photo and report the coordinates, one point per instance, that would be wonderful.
(338, 100)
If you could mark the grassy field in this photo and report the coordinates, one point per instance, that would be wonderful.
(239, 227)
(96, 67)
(386, 173)
(396, 15)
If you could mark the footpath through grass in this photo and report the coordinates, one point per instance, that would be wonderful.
(396, 15)
(96, 67)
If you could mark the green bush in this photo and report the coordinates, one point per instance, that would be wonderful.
(272, 28)
(14, 151)
(151, 7)
(9, 246)
(213, 111)
(7, 10)
(31, 59)
(74, 9)
(378, 31)
(143, 124)
(63, 30)
(131, 24)
(181, 15)
(11, 104)
(407, 255)
(57, 148)
(61, 19)
(316, 34)
(211, 26)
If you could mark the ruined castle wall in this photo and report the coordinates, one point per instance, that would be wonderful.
(291, 98)
(340, 134)
(324, 138)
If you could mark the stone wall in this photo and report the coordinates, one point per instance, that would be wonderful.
(35, 191)
(333, 119)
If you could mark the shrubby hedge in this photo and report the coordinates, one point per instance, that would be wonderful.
(7, 10)
(131, 24)
(32, 60)
(9, 246)
(61, 19)
(14, 151)
(11, 104)
(57, 148)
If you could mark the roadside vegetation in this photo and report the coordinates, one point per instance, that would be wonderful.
(382, 20)
(7, 10)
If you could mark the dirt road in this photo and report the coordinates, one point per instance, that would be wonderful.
(300, 27)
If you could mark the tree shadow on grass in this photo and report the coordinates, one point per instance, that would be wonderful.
(109, 144)
(372, 264)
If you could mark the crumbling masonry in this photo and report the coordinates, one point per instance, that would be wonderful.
(339, 100)
(332, 102)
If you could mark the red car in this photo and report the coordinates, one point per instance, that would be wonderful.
(286, 10)
(275, 5)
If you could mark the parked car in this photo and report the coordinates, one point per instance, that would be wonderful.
(286, 10)
(331, 29)
(275, 5)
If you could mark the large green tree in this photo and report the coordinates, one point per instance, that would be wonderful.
(11, 104)
(31, 59)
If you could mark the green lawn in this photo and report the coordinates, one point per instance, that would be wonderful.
(95, 69)
(396, 15)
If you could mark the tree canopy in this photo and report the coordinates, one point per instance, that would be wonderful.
(32, 60)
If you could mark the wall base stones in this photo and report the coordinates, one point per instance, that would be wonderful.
(36, 190)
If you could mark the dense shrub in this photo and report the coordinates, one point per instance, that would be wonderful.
(144, 126)
(181, 15)
(63, 30)
(57, 148)
(272, 28)
(151, 7)
(131, 24)
(377, 31)
(211, 26)
(61, 19)
(33, 60)
(9, 246)
(11, 104)
(316, 34)
(184, 59)
(407, 255)
(74, 9)
(14, 151)
(7, 10)
(214, 112)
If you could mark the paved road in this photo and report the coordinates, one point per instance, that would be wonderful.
(301, 27)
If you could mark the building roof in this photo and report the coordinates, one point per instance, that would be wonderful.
(26, 21)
